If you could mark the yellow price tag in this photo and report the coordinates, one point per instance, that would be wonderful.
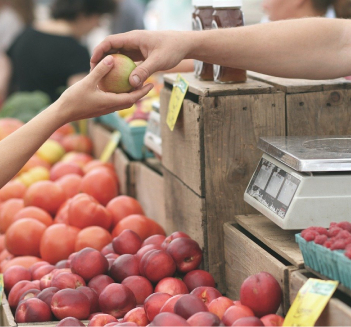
(83, 126)
(110, 146)
(310, 302)
(175, 104)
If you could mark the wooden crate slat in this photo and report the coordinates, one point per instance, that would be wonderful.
(208, 88)
(182, 149)
(279, 240)
(121, 165)
(100, 137)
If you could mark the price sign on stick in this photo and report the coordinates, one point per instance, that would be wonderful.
(175, 104)
(310, 302)
(110, 146)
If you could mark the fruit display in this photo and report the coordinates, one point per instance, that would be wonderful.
(328, 251)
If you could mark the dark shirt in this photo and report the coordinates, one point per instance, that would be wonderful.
(44, 62)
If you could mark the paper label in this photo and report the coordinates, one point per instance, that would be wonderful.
(110, 146)
(177, 97)
(310, 302)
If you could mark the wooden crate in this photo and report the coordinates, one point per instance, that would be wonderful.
(211, 155)
(148, 187)
(6, 316)
(338, 310)
(100, 136)
(245, 255)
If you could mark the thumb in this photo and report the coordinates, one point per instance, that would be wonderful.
(141, 73)
(102, 68)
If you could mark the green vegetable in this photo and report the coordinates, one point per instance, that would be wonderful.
(25, 105)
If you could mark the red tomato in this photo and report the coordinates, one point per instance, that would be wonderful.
(78, 143)
(35, 213)
(12, 190)
(8, 210)
(71, 184)
(61, 168)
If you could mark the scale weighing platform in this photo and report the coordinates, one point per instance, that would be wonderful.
(302, 181)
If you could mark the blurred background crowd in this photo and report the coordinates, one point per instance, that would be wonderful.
(45, 45)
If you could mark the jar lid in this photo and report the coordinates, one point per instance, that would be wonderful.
(227, 3)
(204, 3)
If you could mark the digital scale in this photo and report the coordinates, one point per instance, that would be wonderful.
(152, 138)
(302, 181)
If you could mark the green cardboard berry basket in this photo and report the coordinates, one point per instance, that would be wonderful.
(332, 264)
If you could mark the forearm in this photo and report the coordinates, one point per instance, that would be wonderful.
(18, 147)
(314, 48)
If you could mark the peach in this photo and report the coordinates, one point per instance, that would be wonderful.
(169, 319)
(206, 293)
(69, 322)
(147, 248)
(113, 256)
(172, 286)
(196, 278)
(154, 303)
(63, 264)
(36, 265)
(99, 282)
(47, 294)
(15, 274)
(186, 253)
(189, 304)
(248, 321)
(127, 242)
(67, 280)
(70, 303)
(140, 286)
(116, 300)
(92, 296)
(33, 292)
(17, 290)
(261, 293)
(172, 237)
(156, 239)
(101, 319)
(89, 263)
(107, 249)
(169, 304)
(156, 265)
(42, 271)
(204, 319)
(233, 313)
(138, 316)
(219, 305)
(33, 310)
(272, 320)
(61, 169)
(124, 266)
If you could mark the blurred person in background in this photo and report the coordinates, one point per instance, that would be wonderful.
(283, 9)
(49, 56)
(15, 15)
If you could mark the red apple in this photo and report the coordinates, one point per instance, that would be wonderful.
(172, 286)
(124, 266)
(204, 319)
(169, 304)
(172, 237)
(233, 313)
(206, 293)
(154, 303)
(137, 315)
(248, 321)
(128, 242)
(70, 303)
(47, 294)
(17, 290)
(219, 305)
(67, 280)
(89, 263)
(116, 300)
(156, 239)
(196, 278)
(92, 296)
(15, 274)
(69, 322)
(140, 286)
(98, 283)
(261, 293)
(33, 310)
(272, 320)
(189, 304)
(186, 254)
(168, 319)
(101, 319)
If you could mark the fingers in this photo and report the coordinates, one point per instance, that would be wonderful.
(100, 51)
(101, 70)
(142, 72)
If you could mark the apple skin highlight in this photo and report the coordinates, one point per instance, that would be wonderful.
(117, 80)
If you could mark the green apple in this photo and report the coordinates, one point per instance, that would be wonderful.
(117, 80)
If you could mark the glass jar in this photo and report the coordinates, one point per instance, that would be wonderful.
(226, 14)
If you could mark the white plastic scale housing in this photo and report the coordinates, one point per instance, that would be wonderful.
(303, 181)
(152, 138)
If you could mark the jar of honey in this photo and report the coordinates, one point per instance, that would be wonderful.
(202, 20)
(227, 13)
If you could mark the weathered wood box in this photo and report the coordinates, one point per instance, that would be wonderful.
(212, 153)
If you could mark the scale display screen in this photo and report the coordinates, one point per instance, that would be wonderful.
(273, 187)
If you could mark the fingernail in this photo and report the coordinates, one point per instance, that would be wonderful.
(108, 60)
(136, 80)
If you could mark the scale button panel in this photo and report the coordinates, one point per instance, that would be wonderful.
(273, 187)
